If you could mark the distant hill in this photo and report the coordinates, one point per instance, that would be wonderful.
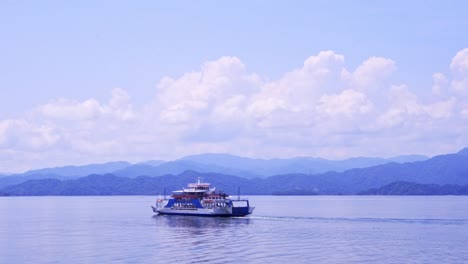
(79, 171)
(112, 185)
(292, 176)
(448, 171)
(444, 169)
(306, 165)
(408, 158)
(255, 168)
(207, 163)
(140, 169)
(463, 152)
(19, 178)
(410, 188)
(151, 162)
(177, 167)
(66, 172)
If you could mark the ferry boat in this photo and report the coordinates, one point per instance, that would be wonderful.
(202, 200)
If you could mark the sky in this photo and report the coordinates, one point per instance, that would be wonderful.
(96, 81)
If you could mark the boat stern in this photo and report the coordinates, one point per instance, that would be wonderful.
(241, 208)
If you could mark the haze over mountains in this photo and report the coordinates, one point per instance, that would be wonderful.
(255, 176)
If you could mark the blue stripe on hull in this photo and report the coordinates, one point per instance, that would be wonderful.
(238, 213)
(206, 215)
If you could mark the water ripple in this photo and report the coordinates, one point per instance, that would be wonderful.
(122, 230)
(365, 219)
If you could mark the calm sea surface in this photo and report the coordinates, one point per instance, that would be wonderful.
(298, 229)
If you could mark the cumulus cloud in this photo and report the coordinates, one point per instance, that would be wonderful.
(459, 67)
(321, 99)
(195, 93)
(347, 103)
(290, 102)
(464, 112)
(441, 109)
(299, 88)
(372, 73)
(70, 109)
(80, 130)
(407, 109)
(20, 134)
(67, 109)
(459, 64)
(320, 108)
(439, 83)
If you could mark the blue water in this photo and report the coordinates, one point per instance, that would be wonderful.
(306, 229)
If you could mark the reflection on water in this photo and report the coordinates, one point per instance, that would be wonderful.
(190, 227)
(199, 222)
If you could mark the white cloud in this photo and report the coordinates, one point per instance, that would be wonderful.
(439, 83)
(464, 113)
(301, 86)
(20, 134)
(231, 109)
(291, 100)
(347, 103)
(459, 67)
(263, 107)
(460, 86)
(372, 73)
(459, 64)
(66, 109)
(320, 108)
(407, 109)
(71, 110)
(120, 105)
(4, 126)
(196, 93)
(70, 131)
(441, 109)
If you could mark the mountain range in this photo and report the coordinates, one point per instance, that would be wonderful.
(409, 188)
(219, 163)
(443, 174)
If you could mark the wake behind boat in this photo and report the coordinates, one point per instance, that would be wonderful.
(202, 200)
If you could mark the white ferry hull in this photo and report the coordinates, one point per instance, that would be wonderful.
(196, 211)
(223, 211)
(201, 200)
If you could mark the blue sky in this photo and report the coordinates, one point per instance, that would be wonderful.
(95, 81)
